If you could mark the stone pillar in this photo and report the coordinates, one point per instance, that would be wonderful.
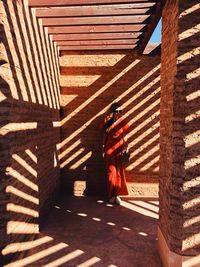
(179, 223)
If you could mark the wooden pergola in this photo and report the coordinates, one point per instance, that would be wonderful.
(99, 24)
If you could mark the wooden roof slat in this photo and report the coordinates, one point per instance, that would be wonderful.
(97, 47)
(99, 24)
(96, 42)
(46, 3)
(96, 28)
(94, 20)
(89, 11)
(94, 36)
(92, 10)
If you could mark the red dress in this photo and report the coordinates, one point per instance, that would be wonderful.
(114, 145)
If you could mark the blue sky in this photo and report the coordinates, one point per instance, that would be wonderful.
(156, 36)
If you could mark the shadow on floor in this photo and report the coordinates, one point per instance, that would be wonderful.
(87, 231)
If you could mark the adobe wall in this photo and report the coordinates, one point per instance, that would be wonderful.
(168, 72)
(90, 82)
(29, 106)
(180, 139)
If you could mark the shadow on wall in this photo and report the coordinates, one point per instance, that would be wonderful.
(29, 107)
(180, 128)
(90, 82)
(189, 59)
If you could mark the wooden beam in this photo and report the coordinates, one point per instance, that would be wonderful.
(150, 27)
(46, 3)
(91, 52)
(152, 48)
(125, 9)
(96, 29)
(97, 42)
(97, 47)
(95, 70)
(94, 20)
(94, 36)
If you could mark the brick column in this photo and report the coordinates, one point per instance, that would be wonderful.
(179, 224)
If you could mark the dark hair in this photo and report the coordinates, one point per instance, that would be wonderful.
(114, 107)
(111, 120)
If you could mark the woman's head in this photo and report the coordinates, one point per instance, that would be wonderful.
(116, 110)
(114, 114)
(115, 107)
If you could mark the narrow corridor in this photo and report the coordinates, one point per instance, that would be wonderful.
(62, 65)
(87, 231)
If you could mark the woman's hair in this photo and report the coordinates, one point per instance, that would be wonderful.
(115, 106)
(109, 120)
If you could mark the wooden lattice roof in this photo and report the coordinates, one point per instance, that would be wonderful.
(99, 24)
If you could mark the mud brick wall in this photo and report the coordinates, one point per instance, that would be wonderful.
(168, 71)
(29, 110)
(180, 102)
(188, 82)
(90, 82)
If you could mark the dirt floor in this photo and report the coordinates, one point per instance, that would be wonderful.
(87, 231)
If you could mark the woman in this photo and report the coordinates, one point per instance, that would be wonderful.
(114, 144)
